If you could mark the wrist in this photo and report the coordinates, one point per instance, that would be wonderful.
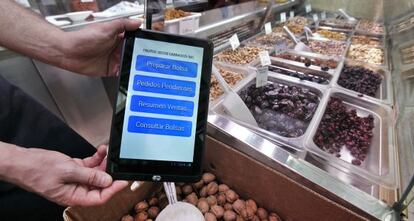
(11, 162)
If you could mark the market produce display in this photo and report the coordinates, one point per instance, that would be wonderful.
(364, 40)
(324, 64)
(232, 78)
(295, 25)
(312, 77)
(371, 27)
(366, 53)
(216, 201)
(340, 23)
(344, 128)
(360, 79)
(330, 48)
(281, 109)
(334, 35)
(174, 14)
(242, 55)
(269, 41)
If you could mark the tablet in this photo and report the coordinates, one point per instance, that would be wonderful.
(158, 129)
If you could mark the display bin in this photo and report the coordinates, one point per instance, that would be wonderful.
(270, 188)
(184, 25)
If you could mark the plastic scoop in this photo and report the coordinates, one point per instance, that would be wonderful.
(178, 211)
(348, 17)
(300, 46)
(232, 102)
(308, 32)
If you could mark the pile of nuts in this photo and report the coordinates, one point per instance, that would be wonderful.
(270, 41)
(366, 53)
(340, 23)
(324, 64)
(330, 48)
(242, 55)
(295, 25)
(360, 79)
(334, 35)
(371, 27)
(341, 127)
(364, 40)
(174, 14)
(216, 202)
(232, 78)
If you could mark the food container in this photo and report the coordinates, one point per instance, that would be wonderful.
(379, 164)
(331, 33)
(368, 40)
(384, 93)
(295, 142)
(338, 23)
(369, 27)
(368, 54)
(295, 25)
(183, 25)
(241, 56)
(269, 41)
(84, 5)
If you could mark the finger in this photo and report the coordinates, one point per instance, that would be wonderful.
(97, 158)
(98, 197)
(89, 176)
(122, 25)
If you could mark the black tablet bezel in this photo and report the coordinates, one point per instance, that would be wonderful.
(150, 170)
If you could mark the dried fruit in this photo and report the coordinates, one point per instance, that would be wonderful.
(127, 218)
(141, 206)
(212, 188)
(218, 211)
(262, 213)
(208, 177)
(210, 217)
(308, 76)
(231, 196)
(314, 61)
(229, 216)
(153, 212)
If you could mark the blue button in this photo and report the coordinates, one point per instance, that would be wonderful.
(148, 125)
(162, 106)
(164, 86)
(166, 66)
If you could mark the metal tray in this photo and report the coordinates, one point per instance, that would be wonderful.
(359, 30)
(327, 22)
(270, 48)
(385, 54)
(346, 32)
(381, 40)
(296, 142)
(327, 40)
(379, 165)
(242, 44)
(384, 94)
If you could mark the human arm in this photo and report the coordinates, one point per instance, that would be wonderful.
(57, 177)
(94, 50)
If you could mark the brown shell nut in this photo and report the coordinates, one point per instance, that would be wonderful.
(239, 205)
(192, 198)
(223, 188)
(247, 213)
(252, 204)
(199, 184)
(142, 216)
(211, 200)
(212, 188)
(239, 218)
(255, 218)
(274, 217)
(221, 199)
(208, 177)
(203, 192)
(210, 217)
(231, 196)
(203, 206)
(228, 206)
(218, 211)
(262, 213)
(187, 189)
(127, 218)
(141, 206)
(153, 212)
(229, 216)
(153, 201)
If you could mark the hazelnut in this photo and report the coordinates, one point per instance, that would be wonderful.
(187, 189)
(247, 213)
(127, 218)
(262, 213)
(228, 206)
(212, 188)
(223, 188)
(229, 216)
(199, 184)
(221, 199)
(208, 177)
(203, 191)
(141, 206)
(231, 196)
(192, 198)
(203, 206)
(211, 200)
(153, 212)
(142, 216)
(153, 201)
(210, 217)
(239, 205)
(274, 217)
(252, 204)
(218, 211)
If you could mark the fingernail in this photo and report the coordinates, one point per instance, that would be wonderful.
(106, 180)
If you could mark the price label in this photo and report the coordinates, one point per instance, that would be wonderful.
(262, 76)
(234, 41)
(291, 14)
(323, 15)
(281, 48)
(264, 58)
(315, 17)
(308, 8)
(186, 26)
(268, 28)
(283, 17)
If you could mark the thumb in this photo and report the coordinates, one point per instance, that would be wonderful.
(91, 177)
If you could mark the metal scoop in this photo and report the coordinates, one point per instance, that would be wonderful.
(348, 17)
(232, 102)
(300, 46)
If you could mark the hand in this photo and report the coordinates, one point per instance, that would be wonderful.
(96, 49)
(68, 181)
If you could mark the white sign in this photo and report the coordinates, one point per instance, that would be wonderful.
(291, 14)
(283, 17)
(262, 76)
(308, 8)
(186, 26)
(315, 17)
(264, 58)
(281, 48)
(268, 28)
(323, 15)
(234, 41)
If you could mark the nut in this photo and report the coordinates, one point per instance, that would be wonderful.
(221, 199)
(274, 217)
(239, 205)
(187, 189)
(210, 217)
(141, 206)
(218, 211)
(203, 191)
(127, 218)
(211, 200)
(231, 196)
(239, 218)
(223, 188)
(192, 198)
(178, 190)
(153, 212)
(247, 213)
(199, 184)
(142, 216)
(229, 216)
(202, 205)
(255, 218)
(212, 188)
(228, 206)
(262, 213)
(208, 177)
(252, 204)
(153, 201)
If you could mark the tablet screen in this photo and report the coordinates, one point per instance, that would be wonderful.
(162, 99)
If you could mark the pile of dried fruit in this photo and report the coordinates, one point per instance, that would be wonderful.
(340, 127)
(231, 78)
(324, 64)
(360, 79)
(371, 27)
(339, 36)
(242, 55)
(364, 40)
(281, 109)
(330, 48)
(216, 201)
(174, 13)
(312, 77)
(366, 53)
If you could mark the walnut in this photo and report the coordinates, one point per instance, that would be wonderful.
(262, 213)
(153, 201)
(223, 188)
(211, 200)
(252, 204)
(239, 205)
(210, 217)
(212, 188)
(153, 212)
(231, 196)
(247, 213)
(203, 206)
(229, 216)
(274, 217)
(208, 177)
(199, 184)
(142, 216)
(221, 199)
(218, 211)
(192, 198)
(187, 189)
(228, 206)
(127, 218)
(141, 206)
(203, 191)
